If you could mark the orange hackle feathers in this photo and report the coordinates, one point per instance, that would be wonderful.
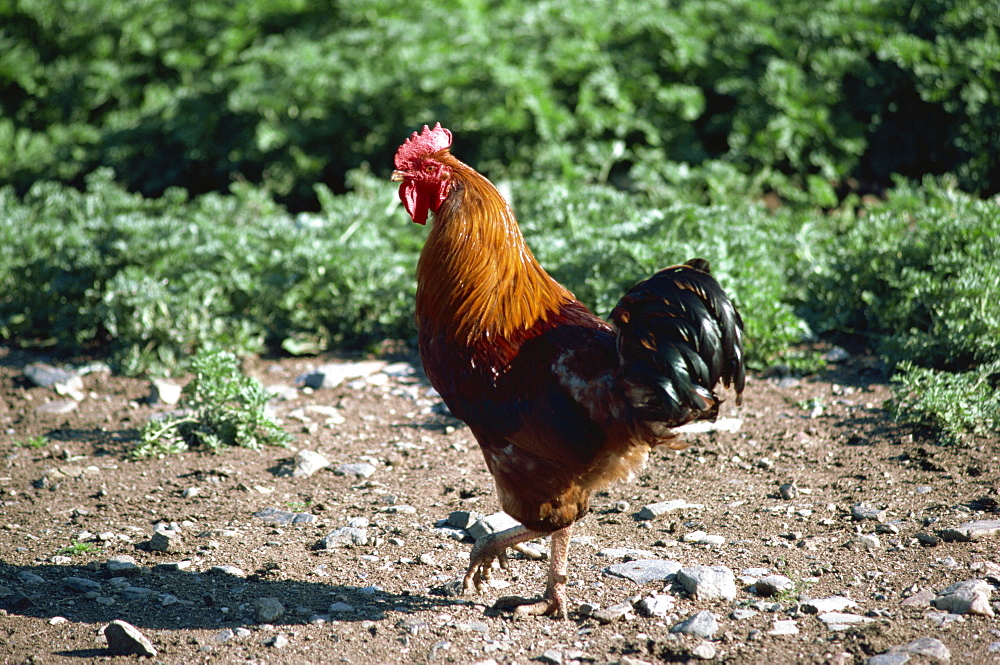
(478, 279)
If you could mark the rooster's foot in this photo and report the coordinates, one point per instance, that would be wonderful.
(553, 604)
(490, 548)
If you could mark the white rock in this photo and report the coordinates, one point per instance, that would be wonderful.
(968, 597)
(654, 510)
(824, 605)
(708, 582)
(308, 462)
(784, 627)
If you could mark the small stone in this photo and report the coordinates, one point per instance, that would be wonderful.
(708, 582)
(784, 627)
(704, 651)
(842, 620)
(644, 571)
(655, 510)
(928, 647)
(702, 624)
(462, 519)
(921, 598)
(492, 524)
(968, 597)
(165, 540)
(125, 639)
(268, 609)
(46, 376)
(861, 511)
(788, 491)
(971, 531)
(137, 593)
(81, 584)
(357, 470)
(772, 585)
(626, 553)
(274, 515)
(658, 605)
(308, 462)
(123, 565)
(743, 613)
(614, 612)
(333, 374)
(824, 605)
(164, 392)
(928, 539)
(279, 641)
(227, 570)
(888, 659)
(30, 578)
(551, 656)
(345, 536)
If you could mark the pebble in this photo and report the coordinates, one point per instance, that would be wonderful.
(928, 647)
(30, 578)
(862, 511)
(123, 565)
(166, 392)
(655, 510)
(461, 519)
(279, 641)
(704, 650)
(268, 609)
(137, 593)
(345, 536)
(308, 462)
(708, 582)
(842, 620)
(81, 584)
(701, 624)
(274, 515)
(333, 374)
(644, 571)
(825, 605)
(358, 470)
(166, 540)
(626, 553)
(742, 613)
(772, 585)
(967, 597)
(228, 570)
(971, 531)
(784, 627)
(551, 656)
(657, 605)
(492, 524)
(125, 639)
(788, 491)
(614, 612)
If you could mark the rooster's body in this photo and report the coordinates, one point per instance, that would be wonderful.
(561, 402)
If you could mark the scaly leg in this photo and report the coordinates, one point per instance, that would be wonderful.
(493, 547)
(554, 602)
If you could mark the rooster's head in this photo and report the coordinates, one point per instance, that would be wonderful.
(426, 180)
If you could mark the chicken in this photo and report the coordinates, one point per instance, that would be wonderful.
(561, 402)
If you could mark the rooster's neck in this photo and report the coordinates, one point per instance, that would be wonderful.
(477, 280)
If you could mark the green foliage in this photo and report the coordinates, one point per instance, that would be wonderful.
(920, 276)
(35, 442)
(954, 403)
(154, 280)
(290, 93)
(220, 407)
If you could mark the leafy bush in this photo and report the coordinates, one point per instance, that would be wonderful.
(291, 93)
(220, 407)
(954, 403)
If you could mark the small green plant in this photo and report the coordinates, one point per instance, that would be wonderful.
(220, 407)
(78, 548)
(34, 442)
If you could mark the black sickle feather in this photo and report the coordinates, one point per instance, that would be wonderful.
(679, 336)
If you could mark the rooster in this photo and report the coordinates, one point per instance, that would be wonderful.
(561, 402)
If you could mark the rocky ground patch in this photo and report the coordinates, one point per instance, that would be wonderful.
(804, 527)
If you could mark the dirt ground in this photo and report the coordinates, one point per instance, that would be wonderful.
(73, 500)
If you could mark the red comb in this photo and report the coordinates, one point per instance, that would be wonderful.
(420, 145)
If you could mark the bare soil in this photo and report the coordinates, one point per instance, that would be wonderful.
(71, 501)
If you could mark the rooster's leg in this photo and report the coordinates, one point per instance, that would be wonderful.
(554, 602)
(491, 548)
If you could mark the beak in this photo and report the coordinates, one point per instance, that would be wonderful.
(397, 176)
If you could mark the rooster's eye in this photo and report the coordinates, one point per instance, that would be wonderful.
(429, 168)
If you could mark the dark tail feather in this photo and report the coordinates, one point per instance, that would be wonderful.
(679, 336)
